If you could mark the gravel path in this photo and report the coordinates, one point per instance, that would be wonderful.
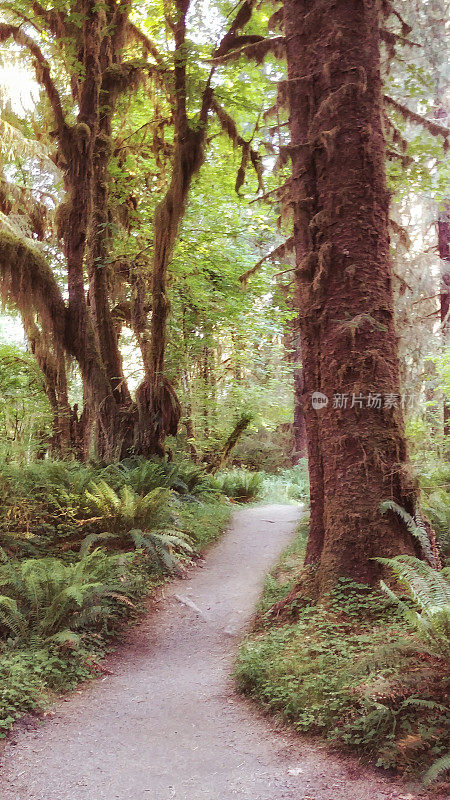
(166, 723)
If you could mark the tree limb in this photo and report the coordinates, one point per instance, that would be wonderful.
(278, 252)
(42, 68)
(255, 50)
(149, 47)
(27, 281)
(418, 119)
(242, 17)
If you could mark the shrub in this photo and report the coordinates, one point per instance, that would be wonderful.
(239, 484)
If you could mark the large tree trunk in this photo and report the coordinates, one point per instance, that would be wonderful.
(91, 335)
(357, 455)
(158, 407)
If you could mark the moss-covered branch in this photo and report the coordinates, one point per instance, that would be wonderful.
(41, 65)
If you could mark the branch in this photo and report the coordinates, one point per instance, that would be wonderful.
(392, 38)
(279, 252)
(255, 50)
(388, 9)
(41, 66)
(229, 127)
(56, 20)
(242, 17)
(418, 119)
(276, 21)
(148, 46)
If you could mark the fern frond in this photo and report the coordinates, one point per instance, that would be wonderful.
(430, 590)
(439, 766)
(414, 526)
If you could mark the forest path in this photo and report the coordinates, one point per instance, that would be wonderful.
(166, 723)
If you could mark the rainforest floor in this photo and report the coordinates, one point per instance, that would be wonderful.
(165, 721)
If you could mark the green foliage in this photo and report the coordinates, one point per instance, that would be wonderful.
(120, 512)
(25, 415)
(430, 591)
(183, 477)
(434, 479)
(45, 599)
(29, 677)
(44, 504)
(239, 485)
(204, 522)
(287, 485)
(143, 520)
(414, 526)
(351, 670)
(438, 768)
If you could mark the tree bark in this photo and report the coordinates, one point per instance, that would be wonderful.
(444, 253)
(357, 455)
(158, 407)
(51, 362)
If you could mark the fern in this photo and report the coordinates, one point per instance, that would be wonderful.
(161, 546)
(124, 510)
(430, 591)
(146, 521)
(240, 485)
(414, 526)
(46, 598)
(439, 766)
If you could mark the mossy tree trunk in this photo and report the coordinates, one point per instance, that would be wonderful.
(158, 406)
(357, 450)
(444, 253)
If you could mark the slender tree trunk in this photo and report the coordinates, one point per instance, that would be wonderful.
(99, 242)
(444, 253)
(90, 332)
(357, 454)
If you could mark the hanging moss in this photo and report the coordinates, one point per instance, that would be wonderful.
(27, 281)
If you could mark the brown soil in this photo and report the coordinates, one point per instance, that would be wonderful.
(166, 723)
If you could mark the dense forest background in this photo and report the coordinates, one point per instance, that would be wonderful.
(210, 211)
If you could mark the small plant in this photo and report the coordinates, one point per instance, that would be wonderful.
(239, 484)
(120, 512)
(430, 592)
(438, 768)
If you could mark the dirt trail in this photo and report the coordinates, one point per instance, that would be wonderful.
(167, 724)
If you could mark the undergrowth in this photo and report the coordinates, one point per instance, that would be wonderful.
(81, 548)
(353, 671)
